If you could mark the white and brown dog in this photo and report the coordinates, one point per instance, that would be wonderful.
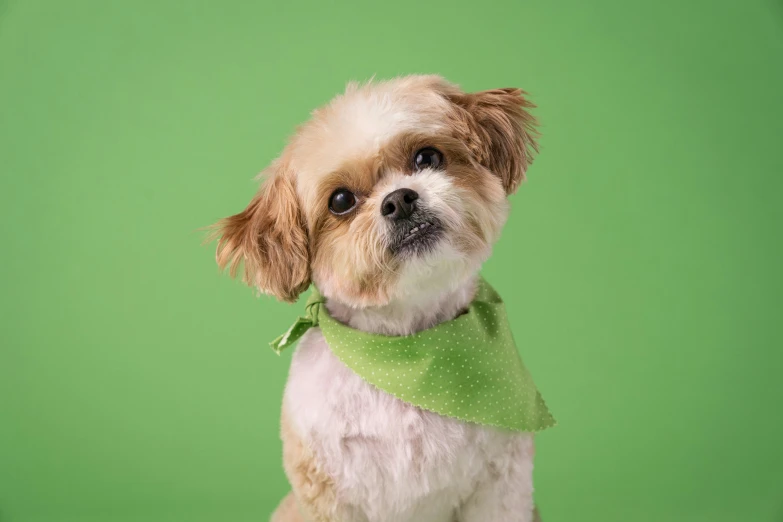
(389, 200)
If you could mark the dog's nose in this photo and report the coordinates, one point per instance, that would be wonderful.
(399, 204)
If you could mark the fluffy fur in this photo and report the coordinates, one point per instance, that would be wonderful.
(352, 452)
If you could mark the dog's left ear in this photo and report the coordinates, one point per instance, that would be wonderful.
(500, 131)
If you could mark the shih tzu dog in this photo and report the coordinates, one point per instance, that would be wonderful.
(388, 201)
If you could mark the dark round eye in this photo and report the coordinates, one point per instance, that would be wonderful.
(427, 158)
(342, 201)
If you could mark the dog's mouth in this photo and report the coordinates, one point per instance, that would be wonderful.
(417, 236)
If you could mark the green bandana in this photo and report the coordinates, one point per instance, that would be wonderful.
(467, 368)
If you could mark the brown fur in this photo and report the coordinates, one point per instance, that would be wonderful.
(499, 130)
(313, 488)
(398, 153)
(269, 239)
(346, 248)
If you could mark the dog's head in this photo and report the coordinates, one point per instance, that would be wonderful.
(393, 190)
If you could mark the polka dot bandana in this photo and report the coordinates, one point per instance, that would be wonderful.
(467, 368)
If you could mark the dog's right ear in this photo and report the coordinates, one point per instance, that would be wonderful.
(268, 240)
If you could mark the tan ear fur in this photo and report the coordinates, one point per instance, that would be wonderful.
(268, 240)
(500, 130)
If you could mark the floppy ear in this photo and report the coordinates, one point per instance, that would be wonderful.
(500, 131)
(268, 240)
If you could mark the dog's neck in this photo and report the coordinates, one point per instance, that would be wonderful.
(407, 316)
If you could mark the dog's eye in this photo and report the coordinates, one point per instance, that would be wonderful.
(427, 158)
(342, 201)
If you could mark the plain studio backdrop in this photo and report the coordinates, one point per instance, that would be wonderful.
(642, 263)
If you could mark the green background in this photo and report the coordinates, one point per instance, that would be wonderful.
(642, 262)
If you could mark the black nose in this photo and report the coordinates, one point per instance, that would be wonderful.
(399, 204)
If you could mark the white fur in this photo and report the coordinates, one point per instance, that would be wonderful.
(392, 462)
(444, 268)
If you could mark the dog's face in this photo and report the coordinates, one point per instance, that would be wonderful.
(393, 191)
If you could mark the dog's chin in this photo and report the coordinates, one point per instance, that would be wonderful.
(432, 266)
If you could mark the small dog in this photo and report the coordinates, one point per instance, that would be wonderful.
(388, 200)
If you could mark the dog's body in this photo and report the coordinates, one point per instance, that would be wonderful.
(389, 201)
(386, 461)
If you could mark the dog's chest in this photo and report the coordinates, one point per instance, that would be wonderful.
(390, 461)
